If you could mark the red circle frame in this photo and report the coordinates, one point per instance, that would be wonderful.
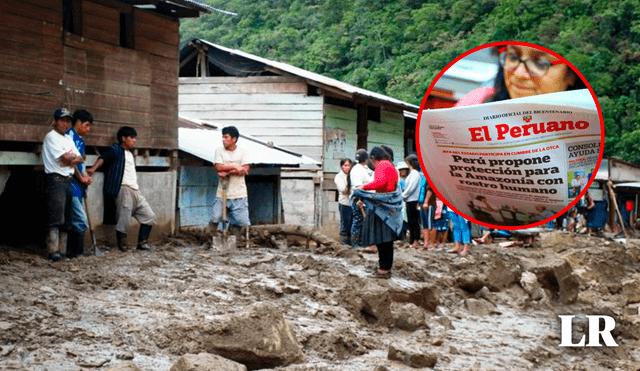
(504, 43)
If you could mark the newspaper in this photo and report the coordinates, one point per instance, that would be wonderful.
(513, 163)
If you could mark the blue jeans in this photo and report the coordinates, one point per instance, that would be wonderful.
(237, 212)
(79, 220)
(345, 223)
(461, 231)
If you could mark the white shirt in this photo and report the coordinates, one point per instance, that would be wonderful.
(55, 145)
(411, 191)
(341, 184)
(129, 177)
(237, 188)
(360, 175)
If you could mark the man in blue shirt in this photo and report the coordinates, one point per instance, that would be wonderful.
(82, 121)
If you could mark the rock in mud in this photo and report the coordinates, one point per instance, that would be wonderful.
(480, 307)
(556, 275)
(370, 303)
(125, 366)
(530, 284)
(412, 357)
(631, 289)
(206, 362)
(425, 296)
(408, 316)
(258, 337)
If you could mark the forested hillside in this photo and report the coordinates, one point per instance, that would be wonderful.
(398, 47)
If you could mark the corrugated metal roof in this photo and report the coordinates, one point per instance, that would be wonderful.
(316, 79)
(200, 139)
(199, 6)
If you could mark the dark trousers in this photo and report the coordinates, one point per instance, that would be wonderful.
(385, 255)
(345, 223)
(413, 216)
(59, 195)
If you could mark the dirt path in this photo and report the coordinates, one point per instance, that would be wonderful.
(98, 311)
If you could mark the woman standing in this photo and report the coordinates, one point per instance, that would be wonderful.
(383, 221)
(410, 195)
(344, 191)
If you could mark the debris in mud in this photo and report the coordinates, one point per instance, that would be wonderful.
(258, 337)
(206, 362)
(313, 306)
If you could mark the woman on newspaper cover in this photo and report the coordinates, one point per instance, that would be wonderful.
(383, 219)
(524, 71)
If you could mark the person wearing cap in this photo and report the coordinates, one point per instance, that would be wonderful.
(122, 196)
(82, 121)
(403, 170)
(60, 157)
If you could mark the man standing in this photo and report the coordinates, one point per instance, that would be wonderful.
(82, 121)
(60, 157)
(122, 196)
(232, 165)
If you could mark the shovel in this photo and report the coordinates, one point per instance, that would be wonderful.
(225, 242)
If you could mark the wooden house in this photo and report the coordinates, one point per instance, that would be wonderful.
(302, 111)
(117, 59)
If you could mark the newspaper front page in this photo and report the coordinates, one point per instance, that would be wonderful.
(516, 162)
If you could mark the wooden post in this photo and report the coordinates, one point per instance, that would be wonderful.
(612, 194)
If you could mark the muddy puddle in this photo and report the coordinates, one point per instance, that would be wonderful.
(472, 313)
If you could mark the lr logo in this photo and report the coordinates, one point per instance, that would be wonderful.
(594, 332)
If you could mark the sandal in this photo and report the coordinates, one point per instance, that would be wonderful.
(379, 273)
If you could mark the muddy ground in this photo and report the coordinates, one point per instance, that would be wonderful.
(496, 309)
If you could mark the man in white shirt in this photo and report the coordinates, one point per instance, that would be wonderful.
(60, 157)
(122, 196)
(232, 164)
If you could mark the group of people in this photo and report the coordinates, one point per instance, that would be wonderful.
(67, 178)
(373, 198)
(524, 71)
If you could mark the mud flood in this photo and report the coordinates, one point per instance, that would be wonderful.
(296, 307)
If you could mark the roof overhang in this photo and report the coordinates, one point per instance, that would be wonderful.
(177, 8)
(200, 138)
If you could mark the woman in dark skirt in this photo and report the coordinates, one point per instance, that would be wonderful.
(383, 221)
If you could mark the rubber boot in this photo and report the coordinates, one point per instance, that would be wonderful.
(79, 251)
(72, 241)
(143, 236)
(52, 244)
(122, 240)
(62, 242)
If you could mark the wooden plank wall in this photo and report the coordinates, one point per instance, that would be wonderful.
(389, 131)
(42, 68)
(340, 136)
(31, 63)
(270, 108)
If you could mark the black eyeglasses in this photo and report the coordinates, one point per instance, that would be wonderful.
(536, 67)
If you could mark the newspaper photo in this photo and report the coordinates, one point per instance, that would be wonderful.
(513, 163)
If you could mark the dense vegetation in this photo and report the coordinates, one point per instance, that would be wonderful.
(398, 47)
